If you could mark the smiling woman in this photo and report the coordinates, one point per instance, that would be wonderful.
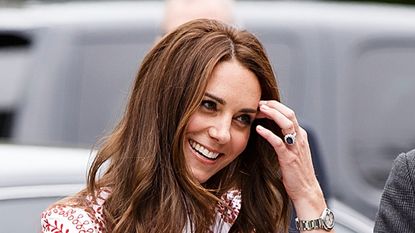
(199, 148)
(219, 130)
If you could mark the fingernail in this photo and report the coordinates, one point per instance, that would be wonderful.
(260, 128)
(265, 107)
(263, 102)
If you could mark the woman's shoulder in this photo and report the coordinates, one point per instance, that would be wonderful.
(76, 214)
(61, 218)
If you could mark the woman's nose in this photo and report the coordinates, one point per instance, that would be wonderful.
(220, 130)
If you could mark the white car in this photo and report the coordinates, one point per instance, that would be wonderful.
(33, 177)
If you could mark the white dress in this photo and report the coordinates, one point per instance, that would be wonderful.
(63, 218)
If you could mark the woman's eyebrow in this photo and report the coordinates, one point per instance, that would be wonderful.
(249, 110)
(218, 99)
(223, 102)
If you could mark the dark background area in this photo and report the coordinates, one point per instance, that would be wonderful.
(399, 2)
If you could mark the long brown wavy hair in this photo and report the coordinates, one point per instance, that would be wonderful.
(152, 190)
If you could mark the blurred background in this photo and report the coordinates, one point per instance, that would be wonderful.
(346, 68)
(22, 2)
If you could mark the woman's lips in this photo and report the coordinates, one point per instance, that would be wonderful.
(201, 150)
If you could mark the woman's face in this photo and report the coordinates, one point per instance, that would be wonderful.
(219, 130)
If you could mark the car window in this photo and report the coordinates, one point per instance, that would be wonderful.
(14, 59)
(382, 94)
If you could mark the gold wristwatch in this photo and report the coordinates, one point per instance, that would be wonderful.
(326, 222)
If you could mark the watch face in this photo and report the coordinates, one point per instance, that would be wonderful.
(328, 219)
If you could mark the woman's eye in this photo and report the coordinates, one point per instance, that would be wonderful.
(244, 119)
(209, 105)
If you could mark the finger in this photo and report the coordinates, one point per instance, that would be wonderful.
(260, 115)
(286, 111)
(303, 134)
(286, 125)
(302, 142)
(284, 154)
(275, 141)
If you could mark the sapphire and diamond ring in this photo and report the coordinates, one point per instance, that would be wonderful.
(289, 139)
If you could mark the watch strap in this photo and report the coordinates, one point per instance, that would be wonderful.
(325, 222)
(308, 225)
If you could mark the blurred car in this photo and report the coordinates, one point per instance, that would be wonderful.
(33, 177)
(345, 68)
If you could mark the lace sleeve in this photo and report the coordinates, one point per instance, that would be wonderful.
(67, 219)
(73, 216)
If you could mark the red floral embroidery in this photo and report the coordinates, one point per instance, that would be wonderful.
(69, 216)
(66, 218)
(63, 218)
(230, 206)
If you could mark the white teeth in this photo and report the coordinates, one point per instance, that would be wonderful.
(203, 151)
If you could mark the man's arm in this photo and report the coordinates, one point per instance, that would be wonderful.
(397, 206)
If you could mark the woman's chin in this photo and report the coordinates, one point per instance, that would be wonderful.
(200, 177)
